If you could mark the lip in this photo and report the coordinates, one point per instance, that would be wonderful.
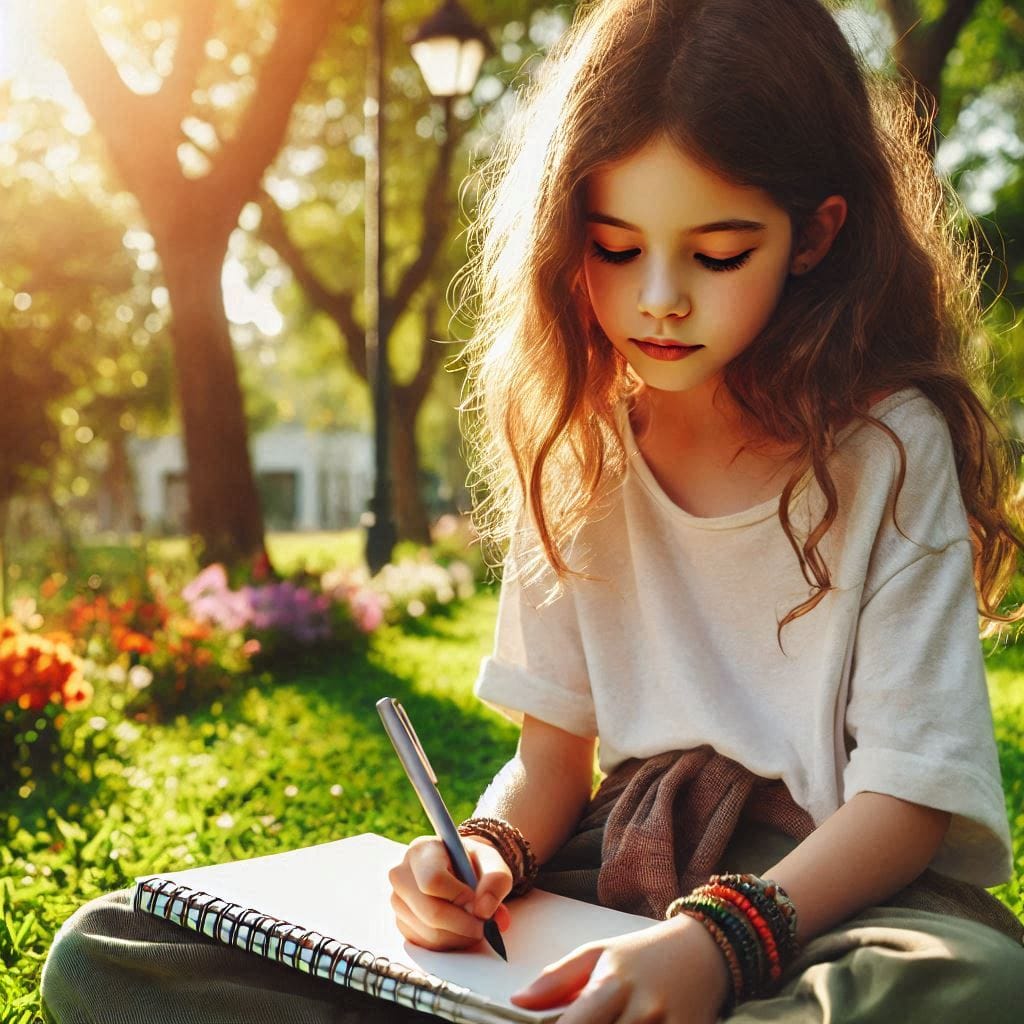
(664, 348)
(664, 342)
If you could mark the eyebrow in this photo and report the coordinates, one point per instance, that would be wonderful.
(734, 224)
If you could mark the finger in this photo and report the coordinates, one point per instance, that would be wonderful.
(421, 934)
(600, 1002)
(503, 918)
(432, 872)
(438, 915)
(494, 877)
(560, 981)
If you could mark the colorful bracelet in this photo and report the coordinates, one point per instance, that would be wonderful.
(753, 922)
(513, 847)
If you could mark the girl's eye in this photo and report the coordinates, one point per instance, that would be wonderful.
(614, 256)
(732, 263)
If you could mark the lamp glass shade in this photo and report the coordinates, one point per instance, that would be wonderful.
(450, 66)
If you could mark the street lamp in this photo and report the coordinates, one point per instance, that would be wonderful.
(449, 49)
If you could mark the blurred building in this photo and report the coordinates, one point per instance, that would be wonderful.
(307, 481)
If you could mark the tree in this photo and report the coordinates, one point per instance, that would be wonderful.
(191, 216)
(323, 248)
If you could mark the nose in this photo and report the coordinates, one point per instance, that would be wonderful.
(661, 295)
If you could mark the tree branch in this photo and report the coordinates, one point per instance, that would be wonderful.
(947, 29)
(301, 27)
(922, 50)
(196, 22)
(415, 391)
(141, 146)
(436, 216)
(339, 306)
(903, 14)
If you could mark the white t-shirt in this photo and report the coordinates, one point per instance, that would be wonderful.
(880, 688)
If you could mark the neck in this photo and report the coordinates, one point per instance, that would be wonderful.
(704, 415)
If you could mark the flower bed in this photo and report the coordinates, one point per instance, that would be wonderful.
(167, 650)
(41, 680)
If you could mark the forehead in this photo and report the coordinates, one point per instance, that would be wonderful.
(661, 186)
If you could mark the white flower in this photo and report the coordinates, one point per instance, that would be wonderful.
(140, 677)
(98, 722)
(225, 820)
(116, 674)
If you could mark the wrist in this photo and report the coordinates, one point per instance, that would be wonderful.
(511, 844)
(693, 941)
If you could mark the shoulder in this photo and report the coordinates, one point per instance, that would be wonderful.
(910, 418)
(902, 461)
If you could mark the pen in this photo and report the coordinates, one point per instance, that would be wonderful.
(414, 760)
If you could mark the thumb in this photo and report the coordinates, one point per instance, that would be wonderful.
(560, 981)
(494, 879)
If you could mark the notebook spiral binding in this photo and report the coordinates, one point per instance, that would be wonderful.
(285, 942)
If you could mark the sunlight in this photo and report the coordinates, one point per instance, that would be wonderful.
(19, 39)
(26, 67)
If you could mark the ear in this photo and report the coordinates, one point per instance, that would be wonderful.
(818, 235)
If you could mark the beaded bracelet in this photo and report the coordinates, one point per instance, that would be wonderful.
(513, 847)
(753, 922)
(743, 941)
(731, 960)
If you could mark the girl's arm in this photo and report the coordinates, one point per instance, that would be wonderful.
(673, 972)
(544, 788)
(864, 853)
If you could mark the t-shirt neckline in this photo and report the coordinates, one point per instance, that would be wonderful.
(637, 464)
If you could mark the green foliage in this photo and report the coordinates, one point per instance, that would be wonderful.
(287, 762)
(1006, 684)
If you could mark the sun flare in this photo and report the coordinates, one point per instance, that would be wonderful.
(20, 49)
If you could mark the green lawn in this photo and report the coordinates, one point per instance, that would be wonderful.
(286, 764)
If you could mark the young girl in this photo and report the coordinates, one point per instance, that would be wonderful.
(752, 505)
(751, 502)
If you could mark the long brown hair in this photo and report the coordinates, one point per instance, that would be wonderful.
(767, 94)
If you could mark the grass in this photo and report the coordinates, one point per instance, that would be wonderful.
(288, 763)
(282, 764)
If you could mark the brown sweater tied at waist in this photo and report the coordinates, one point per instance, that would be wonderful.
(657, 828)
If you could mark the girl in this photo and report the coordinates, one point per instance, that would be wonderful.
(752, 505)
(721, 372)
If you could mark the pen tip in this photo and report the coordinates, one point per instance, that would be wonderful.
(493, 936)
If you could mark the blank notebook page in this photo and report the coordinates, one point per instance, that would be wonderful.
(341, 890)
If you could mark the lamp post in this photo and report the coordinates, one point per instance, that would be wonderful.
(449, 49)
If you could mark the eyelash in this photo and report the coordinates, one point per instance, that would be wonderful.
(732, 263)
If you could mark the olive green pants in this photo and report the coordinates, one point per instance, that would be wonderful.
(888, 965)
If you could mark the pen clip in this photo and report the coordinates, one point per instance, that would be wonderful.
(411, 733)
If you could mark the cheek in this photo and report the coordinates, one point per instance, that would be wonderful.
(750, 299)
(607, 290)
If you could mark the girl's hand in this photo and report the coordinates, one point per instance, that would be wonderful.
(433, 908)
(671, 973)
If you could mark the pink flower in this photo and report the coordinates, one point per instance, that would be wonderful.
(367, 609)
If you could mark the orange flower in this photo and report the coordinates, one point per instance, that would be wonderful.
(130, 642)
(36, 670)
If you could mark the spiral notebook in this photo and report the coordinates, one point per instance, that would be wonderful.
(325, 910)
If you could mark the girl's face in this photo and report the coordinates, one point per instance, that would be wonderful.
(683, 268)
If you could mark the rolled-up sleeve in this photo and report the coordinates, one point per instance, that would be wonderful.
(538, 667)
(919, 720)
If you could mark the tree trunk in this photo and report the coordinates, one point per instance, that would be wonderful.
(5, 505)
(124, 511)
(410, 511)
(191, 221)
(224, 505)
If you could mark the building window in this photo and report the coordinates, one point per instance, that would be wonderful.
(279, 497)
